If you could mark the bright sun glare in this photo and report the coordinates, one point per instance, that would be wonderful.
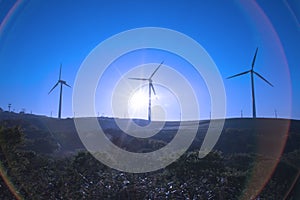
(139, 100)
(138, 104)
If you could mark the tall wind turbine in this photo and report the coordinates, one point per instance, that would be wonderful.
(61, 82)
(252, 72)
(151, 87)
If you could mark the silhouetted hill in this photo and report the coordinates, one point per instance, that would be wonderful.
(239, 135)
(247, 161)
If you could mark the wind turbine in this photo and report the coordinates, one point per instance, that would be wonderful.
(151, 87)
(252, 72)
(61, 82)
(275, 112)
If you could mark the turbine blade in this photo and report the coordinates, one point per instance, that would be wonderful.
(140, 79)
(60, 72)
(260, 76)
(152, 87)
(53, 87)
(254, 58)
(239, 74)
(156, 69)
(67, 84)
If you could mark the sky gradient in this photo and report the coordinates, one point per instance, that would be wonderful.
(37, 36)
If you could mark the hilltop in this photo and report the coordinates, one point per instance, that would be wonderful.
(239, 135)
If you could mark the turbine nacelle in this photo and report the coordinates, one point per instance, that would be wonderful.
(64, 83)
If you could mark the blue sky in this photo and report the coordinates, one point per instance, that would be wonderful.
(36, 36)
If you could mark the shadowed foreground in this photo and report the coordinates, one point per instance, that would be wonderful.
(43, 158)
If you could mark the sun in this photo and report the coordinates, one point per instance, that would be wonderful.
(164, 104)
(138, 100)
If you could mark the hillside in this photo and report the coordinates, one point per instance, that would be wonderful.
(239, 135)
(45, 159)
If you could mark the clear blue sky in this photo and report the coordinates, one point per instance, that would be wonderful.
(36, 36)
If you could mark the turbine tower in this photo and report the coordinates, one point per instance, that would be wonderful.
(151, 87)
(252, 73)
(61, 82)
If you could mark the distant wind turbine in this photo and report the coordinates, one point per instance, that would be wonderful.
(252, 72)
(151, 87)
(61, 82)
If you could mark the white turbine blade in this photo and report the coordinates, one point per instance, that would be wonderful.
(156, 69)
(239, 74)
(53, 87)
(260, 76)
(254, 58)
(152, 87)
(139, 79)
